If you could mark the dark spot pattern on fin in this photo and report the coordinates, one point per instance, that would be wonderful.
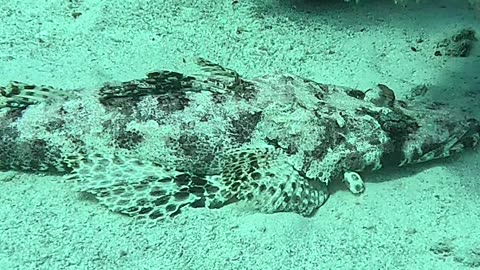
(227, 80)
(166, 84)
(18, 95)
(142, 189)
(264, 178)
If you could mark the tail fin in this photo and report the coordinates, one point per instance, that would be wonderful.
(19, 95)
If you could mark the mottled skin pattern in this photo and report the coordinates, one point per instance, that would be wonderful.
(150, 147)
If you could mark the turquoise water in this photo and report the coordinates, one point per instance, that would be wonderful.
(69, 148)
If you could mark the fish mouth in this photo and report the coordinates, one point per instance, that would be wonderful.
(466, 136)
(469, 138)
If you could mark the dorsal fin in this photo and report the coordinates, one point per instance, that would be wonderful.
(156, 83)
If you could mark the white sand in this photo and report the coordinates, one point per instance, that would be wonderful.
(421, 217)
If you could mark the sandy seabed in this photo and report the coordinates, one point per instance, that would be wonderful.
(420, 217)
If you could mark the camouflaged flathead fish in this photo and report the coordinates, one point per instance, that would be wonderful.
(150, 147)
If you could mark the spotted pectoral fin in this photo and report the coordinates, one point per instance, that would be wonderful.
(264, 178)
(19, 95)
(143, 189)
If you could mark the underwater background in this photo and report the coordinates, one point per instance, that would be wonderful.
(420, 217)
